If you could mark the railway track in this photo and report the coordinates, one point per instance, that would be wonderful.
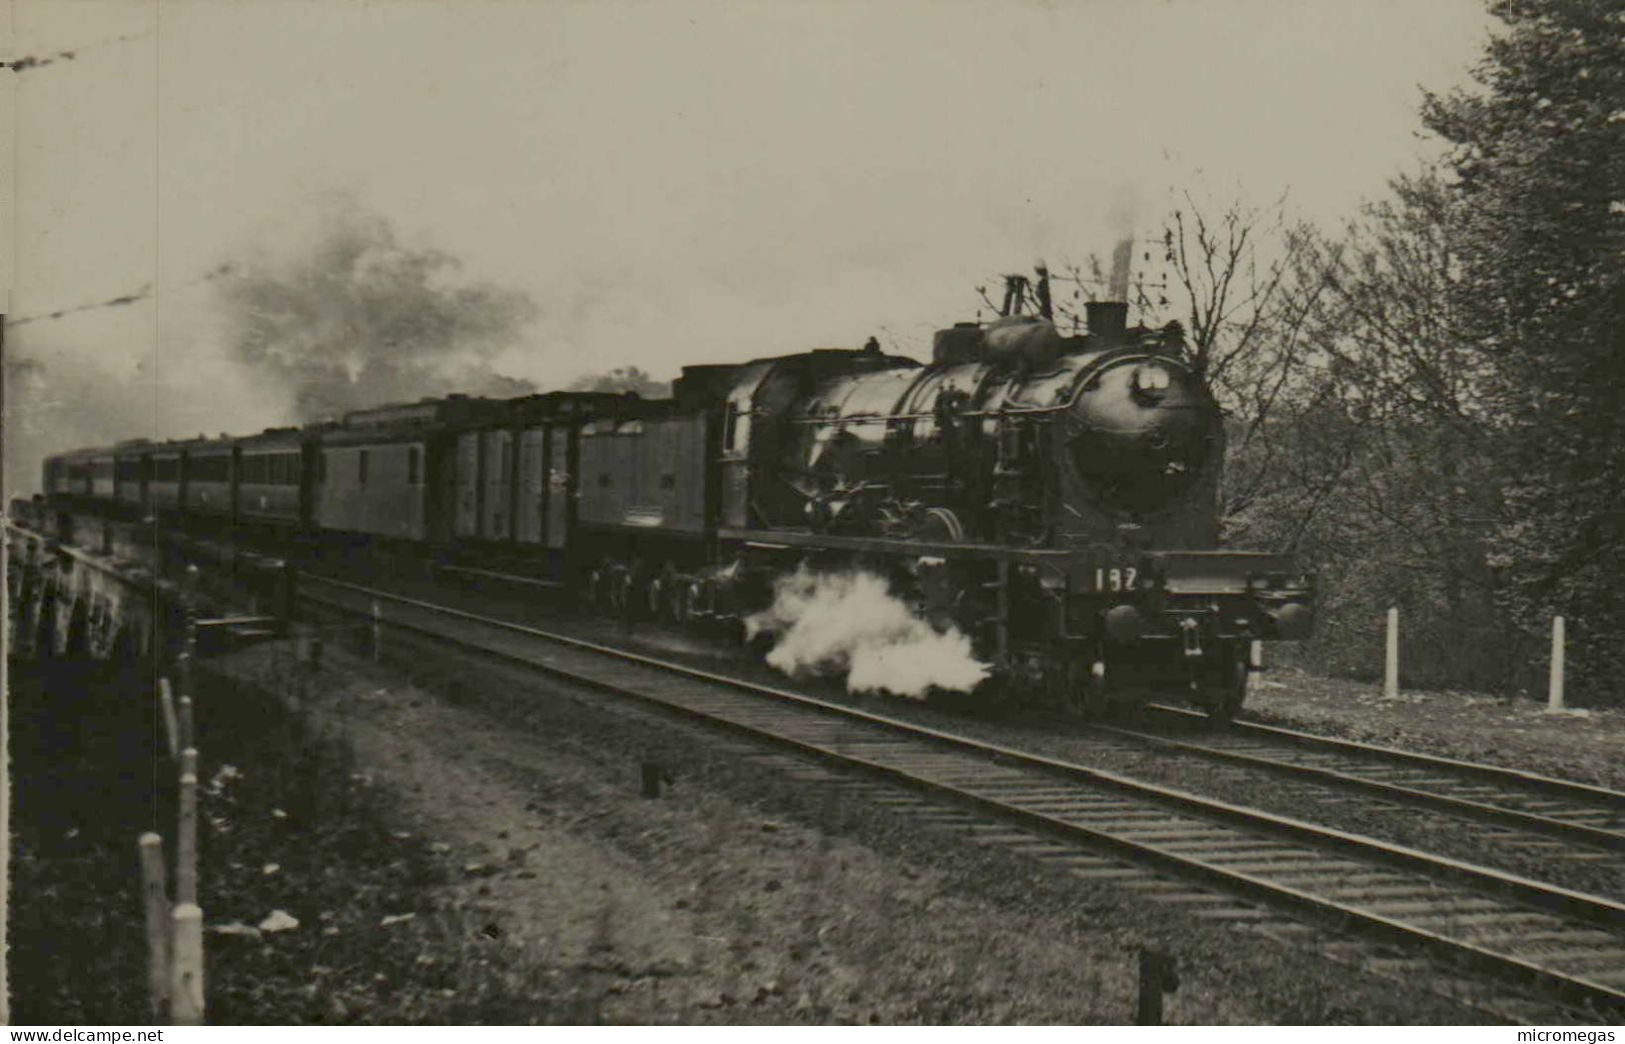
(1571, 944)
(1563, 809)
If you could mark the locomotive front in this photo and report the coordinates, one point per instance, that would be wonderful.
(1141, 431)
(1146, 599)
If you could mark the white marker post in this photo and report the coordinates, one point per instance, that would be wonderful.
(1554, 690)
(186, 984)
(1390, 683)
(156, 904)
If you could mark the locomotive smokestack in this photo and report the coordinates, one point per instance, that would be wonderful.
(1107, 319)
(1122, 256)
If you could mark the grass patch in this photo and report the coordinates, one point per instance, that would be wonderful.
(286, 824)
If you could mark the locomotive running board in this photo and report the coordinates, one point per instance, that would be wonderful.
(1218, 572)
(782, 538)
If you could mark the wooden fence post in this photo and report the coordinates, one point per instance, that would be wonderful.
(186, 982)
(1157, 977)
(1554, 689)
(1390, 683)
(186, 836)
(155, 900)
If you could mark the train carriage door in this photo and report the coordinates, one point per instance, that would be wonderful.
(468, 484)
(532, 497)
(560, 487)
(496, 511)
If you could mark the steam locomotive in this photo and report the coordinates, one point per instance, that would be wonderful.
(1053, 497)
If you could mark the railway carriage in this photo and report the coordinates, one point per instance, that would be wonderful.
(209, 486)
(388, 472)
(647, 503)
(542, 490)
(274, 471)
(547, 429)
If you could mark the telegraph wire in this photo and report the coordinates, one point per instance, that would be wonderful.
(146, 292)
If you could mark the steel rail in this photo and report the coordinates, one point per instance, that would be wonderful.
(1491, 773)
(989, 759)
(1464, 807)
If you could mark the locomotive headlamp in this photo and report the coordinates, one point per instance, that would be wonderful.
(1152, 379)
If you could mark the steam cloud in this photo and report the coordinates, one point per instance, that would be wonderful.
(833, 623)
(361, 320)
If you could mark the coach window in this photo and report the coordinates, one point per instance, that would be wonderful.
(412, 466)
(361, 467)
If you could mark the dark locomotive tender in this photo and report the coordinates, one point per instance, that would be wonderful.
(1053, 497)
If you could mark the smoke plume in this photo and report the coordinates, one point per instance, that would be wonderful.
(358, 319)
(624, 379)
(851, 624)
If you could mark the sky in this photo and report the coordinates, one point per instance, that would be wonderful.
(671, 183)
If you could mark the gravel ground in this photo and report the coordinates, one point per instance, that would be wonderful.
(747, 895)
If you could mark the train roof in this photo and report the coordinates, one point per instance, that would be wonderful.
(452, 409)
(82, 453)
(288, 436)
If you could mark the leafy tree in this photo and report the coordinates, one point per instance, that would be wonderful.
(1373, 464)
(1537, 223)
